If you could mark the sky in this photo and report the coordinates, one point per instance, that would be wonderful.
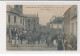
(45, 12)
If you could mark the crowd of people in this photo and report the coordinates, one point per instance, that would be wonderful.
(62, 43)
(14, 36)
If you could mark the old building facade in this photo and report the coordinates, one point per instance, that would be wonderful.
(56, 23)
(66, 23)
(15, 18)
(32, 22)
(73, 26)
(70, 22)
(73, 21)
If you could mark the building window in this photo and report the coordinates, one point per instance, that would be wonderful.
(9, 18)
(28, 20)
(29, 25)
(60, 26)
(34, 21)
(72, 28)
(55, 25)
(34, 24)
(14, 19)
(23, 21)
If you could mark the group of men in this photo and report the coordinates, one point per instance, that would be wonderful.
(14, 36)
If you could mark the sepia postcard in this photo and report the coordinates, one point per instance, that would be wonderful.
(41, 27)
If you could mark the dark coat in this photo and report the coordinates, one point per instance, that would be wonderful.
(60, 45)
(21, 37)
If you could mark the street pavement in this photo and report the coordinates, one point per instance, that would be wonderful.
(26, 46)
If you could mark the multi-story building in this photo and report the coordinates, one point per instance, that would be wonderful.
(56, 23)
(70, 22)
(32, 22)
(66, 23)
(73, 21)
(73, 26)
(15, 18)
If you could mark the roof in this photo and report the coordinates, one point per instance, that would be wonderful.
(41, 25)
(58, 20)
(30, 15)
(13, 10)
(68, 10)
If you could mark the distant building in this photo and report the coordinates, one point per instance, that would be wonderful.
(48, 29)
(32, 22)
(56, 23)
(48, 25)
(42, 28)
(15, 18)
